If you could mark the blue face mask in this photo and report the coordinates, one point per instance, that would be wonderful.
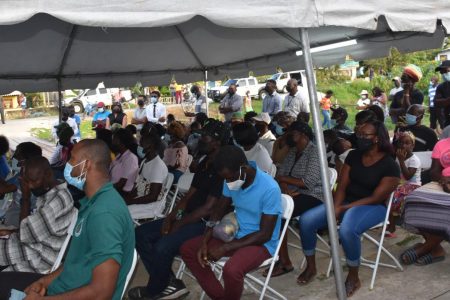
(140, 152)
(446, 76)
(154, 99)
(15, 165)
(77, 182)
(333, 122)
(279, 130)
(411, 119)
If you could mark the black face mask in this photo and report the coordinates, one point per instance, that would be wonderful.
(116, 111)
(64, 119)
(290, 141)
(231, 93)
(364, 144)
(37, 192)
(203, 148)
(259, 127)
(288, 89)
(141, 102)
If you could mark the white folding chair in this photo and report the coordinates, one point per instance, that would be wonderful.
(130, 272)
(288, 208)
(425, 159)
(333, 178)
(63, 249)
(273, 171)
(6, 203)
(374, 264)
(156, 209)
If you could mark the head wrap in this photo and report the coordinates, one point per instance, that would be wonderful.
(302, 127)
(413, 71)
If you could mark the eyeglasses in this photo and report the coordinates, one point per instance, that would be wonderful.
(364, 135)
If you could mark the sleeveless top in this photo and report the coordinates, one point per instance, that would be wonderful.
(113, 119)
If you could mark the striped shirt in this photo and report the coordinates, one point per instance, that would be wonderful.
(431, 93)
(307, 168)
(36, 246)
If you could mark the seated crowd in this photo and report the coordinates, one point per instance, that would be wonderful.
(240, 171)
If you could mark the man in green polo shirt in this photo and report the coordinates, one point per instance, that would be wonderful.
(102, 247)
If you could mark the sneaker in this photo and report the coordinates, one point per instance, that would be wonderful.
(175, 290)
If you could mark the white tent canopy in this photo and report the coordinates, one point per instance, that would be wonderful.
(85, 42)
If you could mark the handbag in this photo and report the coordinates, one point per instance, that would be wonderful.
(227, 229)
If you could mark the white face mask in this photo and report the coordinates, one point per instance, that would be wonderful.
(154, 99)
(101, 109)
(236, 185)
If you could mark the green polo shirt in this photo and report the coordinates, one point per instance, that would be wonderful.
(104, 230)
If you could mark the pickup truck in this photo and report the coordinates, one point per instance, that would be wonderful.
(100, 94)
(243, 85)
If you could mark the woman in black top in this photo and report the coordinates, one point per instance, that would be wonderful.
(368, 176)
(116, 117)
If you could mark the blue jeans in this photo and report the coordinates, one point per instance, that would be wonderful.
(355, 221)
(326, 119)
(157, 251)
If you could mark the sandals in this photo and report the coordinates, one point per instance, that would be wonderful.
(278, 270)
(409, 257)
(352, 287)
(428, 259)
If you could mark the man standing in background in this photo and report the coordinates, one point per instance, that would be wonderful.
(272, 102)
(435, 112)
(231, 103)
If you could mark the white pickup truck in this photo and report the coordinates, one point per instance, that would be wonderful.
(243, 85)
(100, 94)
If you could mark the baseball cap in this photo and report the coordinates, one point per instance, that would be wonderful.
(100, 104)
(444, 64)
(263, 117)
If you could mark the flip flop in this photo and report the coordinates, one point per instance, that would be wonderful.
(428, 259)
(351, 288)
(281, 270)
(410, 255)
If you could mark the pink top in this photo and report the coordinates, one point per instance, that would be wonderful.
(441, 151)
(177, 156)
(126, 166)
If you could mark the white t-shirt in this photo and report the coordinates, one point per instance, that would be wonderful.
(395, 90)
(267, 141)
(260, 155)
(139, 114)
(70, 121)
(413, 162)
(153, 171)
(363, 102)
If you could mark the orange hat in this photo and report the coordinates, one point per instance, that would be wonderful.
(413, 71)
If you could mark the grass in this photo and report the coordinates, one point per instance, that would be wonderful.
(46, 134)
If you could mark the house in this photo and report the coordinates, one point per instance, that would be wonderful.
(349, 68)
(443, 55)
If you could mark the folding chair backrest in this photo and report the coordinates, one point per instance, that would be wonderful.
(167, 185)
(333, 176)
(425, 159)
(189, 160)
(166, 203)
(63, 249)
(185, 181)
(130, 272)
(288, 207)
(273, 170)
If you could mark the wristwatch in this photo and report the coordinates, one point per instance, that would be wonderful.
(211, 224)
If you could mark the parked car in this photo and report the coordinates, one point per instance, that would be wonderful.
(243, 85)
(100, 94)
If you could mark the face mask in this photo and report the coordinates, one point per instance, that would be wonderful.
(363, 96)
(290, 141)
(140, 152)
(154, 99)
(64, 119)
(231, 93)
(333, 122)
(236, 185)
(446, 76)
(259, 127)
(364, 144)
(37, 192)
(288, 89)
(101, 109)
(411, 119)
(15, 165)
(77, 182)
(167, 138)
(279, 130)
(141, 102)
(116, 110)
(203, 148)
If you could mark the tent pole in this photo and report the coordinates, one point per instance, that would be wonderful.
(60, 100)
(331, 219)
(206, 92)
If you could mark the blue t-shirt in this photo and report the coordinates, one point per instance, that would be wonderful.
(263, 196)
(101, 115)
(78, 121)
(4, 168)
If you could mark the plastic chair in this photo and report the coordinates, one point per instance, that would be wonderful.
(156, 209)
(288, 208)
(130, 272)
(376, 263)
(63, 249)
